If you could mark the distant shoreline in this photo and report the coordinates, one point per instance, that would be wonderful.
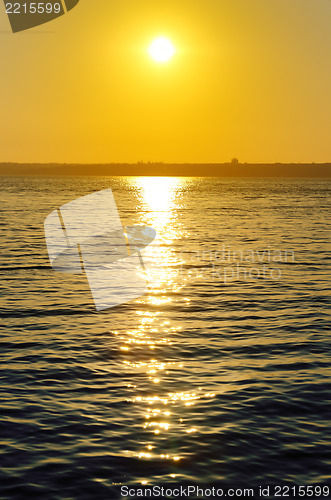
(300, 170)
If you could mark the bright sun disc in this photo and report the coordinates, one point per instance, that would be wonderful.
(161, 50)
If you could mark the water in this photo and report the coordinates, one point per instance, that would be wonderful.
(219, 375)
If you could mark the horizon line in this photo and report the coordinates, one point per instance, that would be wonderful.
(151, 162)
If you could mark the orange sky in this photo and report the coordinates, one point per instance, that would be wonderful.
(250, 79)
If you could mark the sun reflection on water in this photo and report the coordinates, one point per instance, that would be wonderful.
(146, 349)
(159, 197)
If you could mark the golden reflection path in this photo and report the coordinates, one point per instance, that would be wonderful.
(161, 410)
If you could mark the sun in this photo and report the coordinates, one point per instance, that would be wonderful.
(161, 50)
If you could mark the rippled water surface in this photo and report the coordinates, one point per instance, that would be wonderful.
(219, 375)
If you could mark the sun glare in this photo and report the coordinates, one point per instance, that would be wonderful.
(161, 50)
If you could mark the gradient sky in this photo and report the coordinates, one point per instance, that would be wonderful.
(251, 79)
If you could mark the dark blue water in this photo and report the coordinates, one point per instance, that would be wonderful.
(218, 376)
